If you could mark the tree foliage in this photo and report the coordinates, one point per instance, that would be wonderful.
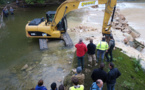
(2, 1)
(34, 1)
(6, 1)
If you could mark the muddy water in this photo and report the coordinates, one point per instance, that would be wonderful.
(51, 65)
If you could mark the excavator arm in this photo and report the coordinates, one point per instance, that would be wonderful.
(68, 6)
(110, 6)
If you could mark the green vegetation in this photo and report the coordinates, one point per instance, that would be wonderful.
(2, 1)
(27, 1)
(6, 1)
(34, 1)
(137, 64)
(128, 85)
(130, 79)
(30, 1)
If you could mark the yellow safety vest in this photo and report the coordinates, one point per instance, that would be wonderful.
(102, 45)
(80, 88)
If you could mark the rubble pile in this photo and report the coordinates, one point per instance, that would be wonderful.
(120, 23)
(96, 6)
(82, 28)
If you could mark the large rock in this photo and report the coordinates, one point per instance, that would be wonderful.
(134, 35)
(125, 30)
(96, 6)
(128, 37)
(24, 67)
(122, 17)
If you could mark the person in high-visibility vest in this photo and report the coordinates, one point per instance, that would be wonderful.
(76, 86)
(102, 46)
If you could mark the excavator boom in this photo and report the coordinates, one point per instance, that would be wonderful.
(68, 6)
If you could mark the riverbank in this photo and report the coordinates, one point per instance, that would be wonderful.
(25, 4)
(129, 80)
(132, 77)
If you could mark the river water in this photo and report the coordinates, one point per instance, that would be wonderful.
(50, 65)
(17, 50)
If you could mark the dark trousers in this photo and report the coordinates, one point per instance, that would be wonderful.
(81, 61)
(110, 86)
(111, 56)
(12, 13)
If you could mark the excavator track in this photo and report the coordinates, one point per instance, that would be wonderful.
(67, 40)
(43, 44)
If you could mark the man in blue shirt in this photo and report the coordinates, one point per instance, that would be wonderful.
(98, 85)
(40, 86)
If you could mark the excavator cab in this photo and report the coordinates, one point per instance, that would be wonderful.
(62, 25)
(50, 15)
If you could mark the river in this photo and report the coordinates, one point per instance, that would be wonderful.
(17, 50)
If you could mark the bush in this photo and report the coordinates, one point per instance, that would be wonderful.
(2, 1)
(34, 1)
(137, 64)
(128, 85)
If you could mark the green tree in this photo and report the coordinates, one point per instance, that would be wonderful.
(34, 1)
(2, 1)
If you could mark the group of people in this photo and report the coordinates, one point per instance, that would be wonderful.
(99, 76)
(53, 86)
(108, 78)
(6, 11)
(103, 48)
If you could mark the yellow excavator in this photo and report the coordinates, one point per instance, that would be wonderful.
(55, 24)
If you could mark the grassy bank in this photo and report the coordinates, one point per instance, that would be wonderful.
(131, 79)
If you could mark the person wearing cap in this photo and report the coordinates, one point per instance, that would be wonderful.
(91, 52)
(40, 86)
(53, 86)
(79, 75)
(112, 75)
(102, 46)
(110, 49)
(98, 85)
(81, 49)
(99, 73)
(76, 85)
